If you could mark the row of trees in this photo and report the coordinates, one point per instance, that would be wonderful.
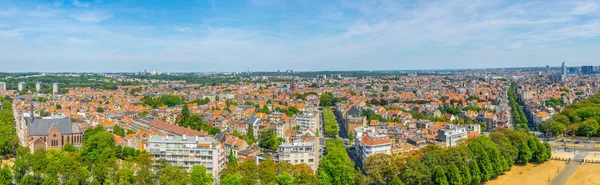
(519, 117)
(580, 119)
(167, 99)
(475, 161)
(267, 172)
(99, 161)
(327, 99)
(329, 123)
(8, 136)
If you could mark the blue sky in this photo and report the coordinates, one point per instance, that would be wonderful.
(303, 35)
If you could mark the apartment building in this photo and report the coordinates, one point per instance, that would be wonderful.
(187, 151)
(368, 143)
(307, 120)
(452, 134)
(298, 152)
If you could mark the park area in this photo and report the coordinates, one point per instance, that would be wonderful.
(587, 174)
(530, 174)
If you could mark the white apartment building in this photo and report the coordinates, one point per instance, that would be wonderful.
(299, 152)
(55, 88)
(187, 151)
(2, 86)
(21, 86)
(38, 86)
(307, 120)
(368, 143)
(452, 134)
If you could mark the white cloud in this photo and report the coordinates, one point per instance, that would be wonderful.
(80, 4)
(92, 16)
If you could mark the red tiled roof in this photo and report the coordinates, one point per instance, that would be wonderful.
(176, 129)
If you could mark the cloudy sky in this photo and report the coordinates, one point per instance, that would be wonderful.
(234, 35)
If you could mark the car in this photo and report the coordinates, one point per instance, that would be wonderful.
(577, 142)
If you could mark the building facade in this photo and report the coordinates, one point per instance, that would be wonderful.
(55, 88)
(299, 152)
(187, 151)
(307, 120)
(368, 143)
(452, 134)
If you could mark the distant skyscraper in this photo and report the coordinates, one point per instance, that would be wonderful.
(564, 69)
(586, 70)
(2, 86)
(547, 69)
(55, 88)
(38, 86)
(22, 86)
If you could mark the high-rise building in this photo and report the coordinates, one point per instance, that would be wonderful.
(547, 69)
(38, 86)
(299, 152)
(55, 88)
(307, 120)
(187, 151)
(21, 86)
(2, 86)
(564, 69)
(586, 70)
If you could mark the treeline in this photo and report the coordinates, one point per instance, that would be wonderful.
(194, 121)
(167, 99)
(477, 160)
(329, 123)
(336, 166)
(519, 117)
(93, 81)
(579, 118)
(8, 136)
(99, 161)
(267, 172)
(326, 100)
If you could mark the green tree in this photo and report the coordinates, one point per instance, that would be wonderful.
(267, 171)
(265, 110)
(232, 158)
(185, 115)
(100, 110)
(414, 172)
(118, 130)
(453, 175)
(439, 176)
(5, 175)
(285, 179)
(475, 172)
(250, 135)
(232, 179)
(336, 166)
(558, 128)
(589, 127)
(200, 176)
(268, 140)
(465, 174)
(173, 175)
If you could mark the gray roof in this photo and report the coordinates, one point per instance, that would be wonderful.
(41, 126)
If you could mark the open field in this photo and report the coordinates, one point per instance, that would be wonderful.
(530, 174)
(588, 174)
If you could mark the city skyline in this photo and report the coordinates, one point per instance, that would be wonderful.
(271, 35)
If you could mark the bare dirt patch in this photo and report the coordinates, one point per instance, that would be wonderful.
(530, 174)
(587, 174)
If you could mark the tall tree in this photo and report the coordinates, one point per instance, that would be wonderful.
(453, 175)
(200, 176)
(185, 115)
(173, 175)
(439, 176)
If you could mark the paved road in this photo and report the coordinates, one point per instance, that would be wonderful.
(566, 172)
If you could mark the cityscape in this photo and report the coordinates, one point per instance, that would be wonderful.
(277, 92)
